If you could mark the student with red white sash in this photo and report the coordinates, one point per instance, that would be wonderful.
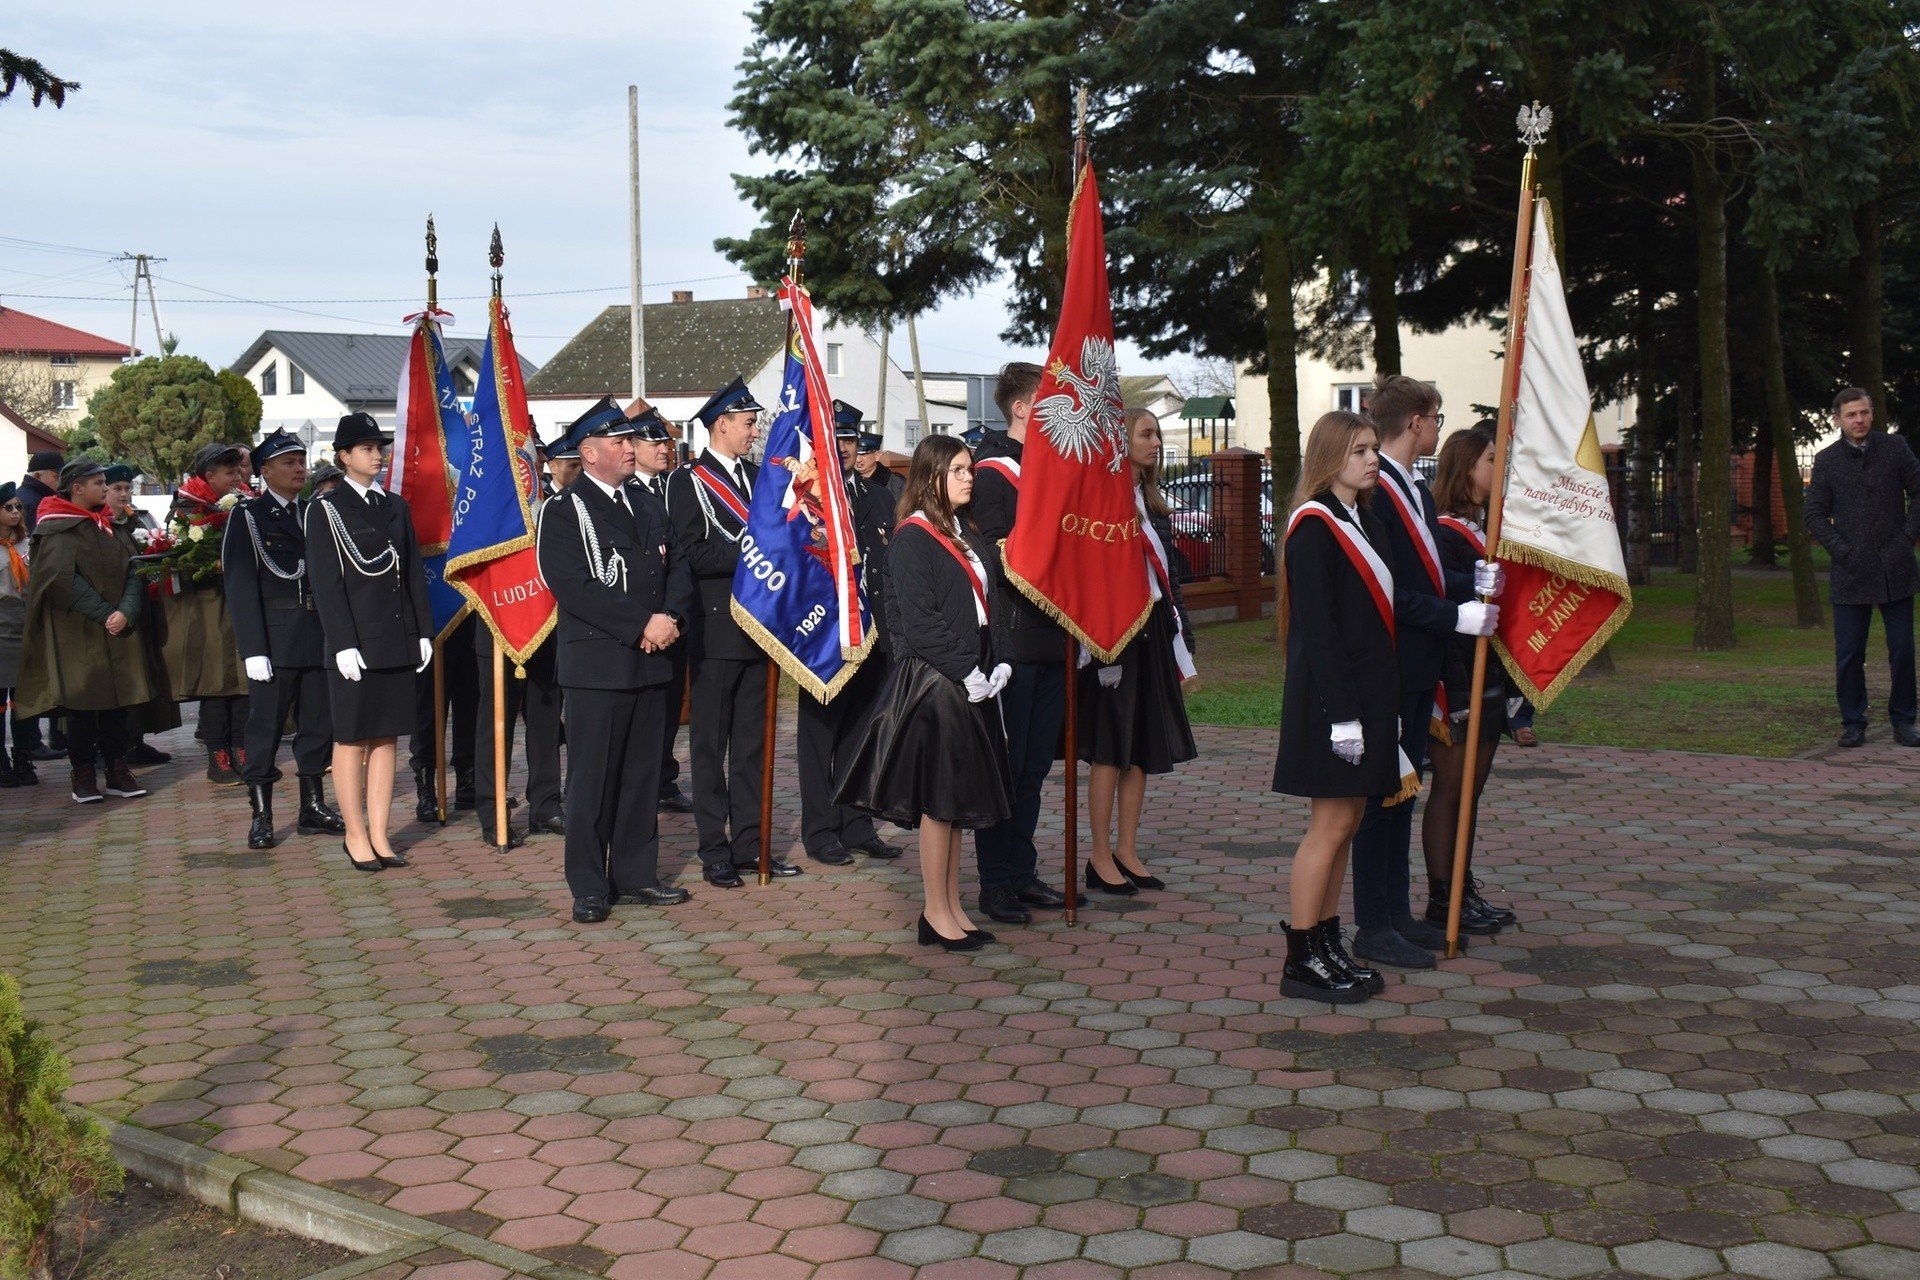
(934, 755)
(1430, 604)
(1460, 489)
(707, 501)
(1132, 715)
(1339, 717)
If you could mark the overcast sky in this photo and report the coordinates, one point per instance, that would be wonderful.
(285, 153)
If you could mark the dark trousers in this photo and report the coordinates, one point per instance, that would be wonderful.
(1523, 718)
(827, 731)
(223, 722)
(670, 723)
(26, 734)
(728, 746)
(1851, 622)
(303, 692)
(537, 700)
(1385, 838)
(613, 834)
(97, 734)
(1034, 705)
(461, 688)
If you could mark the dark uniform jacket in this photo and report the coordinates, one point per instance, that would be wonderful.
(872, 507)
(272, 615)
(386, 615)
(600, 624)
(712, 549)
(930, 605)
(1022, 632)
(1457, 555)
(30, 493)
(1863, 506)
(1423, 617)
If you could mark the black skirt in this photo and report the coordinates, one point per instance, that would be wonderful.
(1140, 723)
(377, 705)
(928, 752)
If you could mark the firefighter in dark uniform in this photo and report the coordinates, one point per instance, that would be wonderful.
(653, 450)
(828, 731)
(282, 645)
(624, 592)
(708, 501)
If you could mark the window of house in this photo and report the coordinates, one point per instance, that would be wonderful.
(833, 359)
(296, 380)
(64, 361)
(1349, 395)
(63, 394)
(270, 380)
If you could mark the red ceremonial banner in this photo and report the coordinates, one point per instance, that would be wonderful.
(1075, 548)
(418, 469)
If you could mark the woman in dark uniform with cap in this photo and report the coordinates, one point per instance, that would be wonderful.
(371, 594)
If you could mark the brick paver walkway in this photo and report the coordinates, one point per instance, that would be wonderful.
(1700, 1056)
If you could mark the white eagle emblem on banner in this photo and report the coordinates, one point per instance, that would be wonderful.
(1084, 416)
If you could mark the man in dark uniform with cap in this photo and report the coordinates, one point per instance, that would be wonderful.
(708, 500)
(653, 463)
(609, 556)
(282, 645)
(866, 461)
(832, 832)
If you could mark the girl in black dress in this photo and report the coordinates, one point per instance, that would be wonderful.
(935, 753)
(1460, 489)
(1339, 721)
(368, 586)
(1133, 718)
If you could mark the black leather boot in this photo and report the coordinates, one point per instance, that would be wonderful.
(317, 817)
(1334, 948)
(463, 788)
(1474, 919)
(427, 797)
(260, 834)
(1309, 975)
(1493, 909)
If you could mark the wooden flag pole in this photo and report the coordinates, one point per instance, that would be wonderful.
(500, 832)
(1534, 123)
(439, 667)
(1071, 700)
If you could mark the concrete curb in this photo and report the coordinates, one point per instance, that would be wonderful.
(246, 1190)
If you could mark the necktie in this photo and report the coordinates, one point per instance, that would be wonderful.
(620, 497)
(740, 474)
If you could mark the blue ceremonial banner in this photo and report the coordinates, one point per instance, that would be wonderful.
(796, 590)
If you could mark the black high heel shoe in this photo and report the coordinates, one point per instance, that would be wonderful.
(1125, 889)
(375, 865)
(1141, 882)
(983, 935)
(930, 936)
(397, 859)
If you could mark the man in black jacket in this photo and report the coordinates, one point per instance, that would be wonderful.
(1429, 604)
(653, 464)
(1863, 506)
(41, 481)
(709, 501)
(610, 558)
(832, 832)
(1034, 701)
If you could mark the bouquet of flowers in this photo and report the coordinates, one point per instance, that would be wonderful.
(186, 550)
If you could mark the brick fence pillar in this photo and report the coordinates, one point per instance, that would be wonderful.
(1237, 530)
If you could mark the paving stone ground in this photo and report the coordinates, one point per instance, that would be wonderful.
(1699, 1056)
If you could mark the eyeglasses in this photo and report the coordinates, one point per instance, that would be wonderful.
(11, 506)
(1439, 420)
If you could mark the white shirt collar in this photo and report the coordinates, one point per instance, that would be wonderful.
(726, 460)
(285, 502)
(1405, 475)
(364, 489)
(610, 490)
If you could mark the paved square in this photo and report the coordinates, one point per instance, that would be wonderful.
(1700, 1056)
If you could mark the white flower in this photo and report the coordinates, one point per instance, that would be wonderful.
(143, 536)
(196, 532)
(231, 501)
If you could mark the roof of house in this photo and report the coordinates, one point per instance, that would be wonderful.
(1204, 408)
(23, 334)
(36, 438)
(357, 368)
(693, 348)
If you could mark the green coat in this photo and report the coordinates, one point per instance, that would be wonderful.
(79, 575)
(199, 657)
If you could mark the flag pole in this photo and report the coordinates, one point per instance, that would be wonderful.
(497, 258)
(439, 665)
(1533, 123)
(1071, 700)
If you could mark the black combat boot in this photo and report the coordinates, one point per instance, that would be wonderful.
(427, 797)
(1309, 975)
(260, 833)
(316, 816)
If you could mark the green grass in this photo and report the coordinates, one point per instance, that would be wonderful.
(1770, 696)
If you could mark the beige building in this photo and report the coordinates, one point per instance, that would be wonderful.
(49, 370)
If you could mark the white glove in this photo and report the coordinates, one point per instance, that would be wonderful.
(979, 685)
(426, 655)
(350, 663)
(260, 669)
(1489, 577)
(1348, 743)
(1477, 619)
(1110, 677)
(998, 680)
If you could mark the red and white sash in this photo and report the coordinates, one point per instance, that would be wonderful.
(1006, 467)
(1466, 529)
(976, 572)
(1163, 587)
(722, 490)
(1415, 520)
(1366, 561)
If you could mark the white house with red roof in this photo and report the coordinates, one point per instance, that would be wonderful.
(63, 365)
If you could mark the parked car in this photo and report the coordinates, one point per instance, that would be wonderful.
(1191, 497)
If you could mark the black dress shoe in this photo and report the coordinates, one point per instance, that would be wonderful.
(1003, 905)
(394, 859)
(1854, 735)
(1906, 735)
(675, 801)
(1141, 882)
(878, 848)
(589, 910)
(930, 936)
(1095, 884)
(778, 868)
(375, 865)
(668, 896)
(1036, 893)
(722, 877)
(834, 855)
(144, 754)
(553, 824)
(514, 839)
(1386, 946)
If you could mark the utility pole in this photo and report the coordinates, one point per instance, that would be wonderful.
(636, 315)
(919, 379)
(142, 263)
